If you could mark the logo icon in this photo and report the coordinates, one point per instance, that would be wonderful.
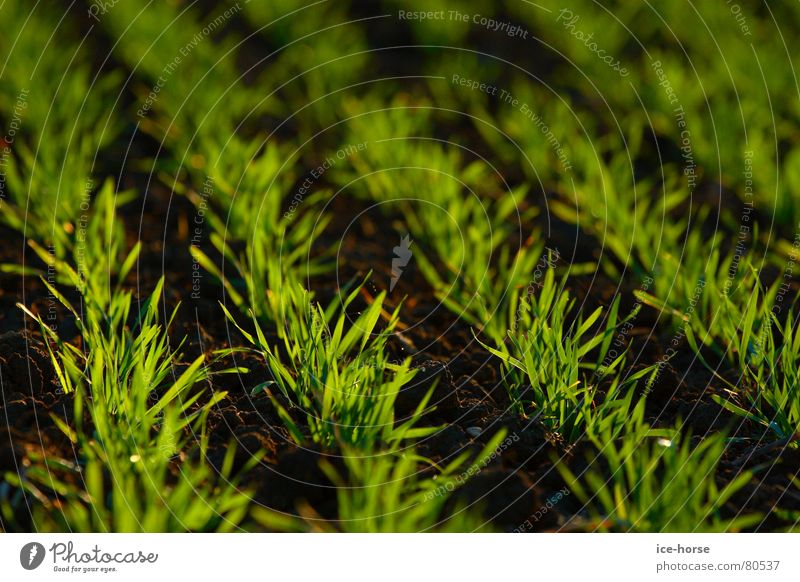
(402, 254)
(32, 555)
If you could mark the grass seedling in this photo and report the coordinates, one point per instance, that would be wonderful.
(390, 492)
(718, 303)
(97, 264)
(340, 381)
(547, 367)
(481, 274)
(129, 371)
(62, 117)
(190, 91)
(131, 415)
(771, 375)
(110, 489)
(134, 405)
(633, 218)
(740, 321)
(467, 223)
(736, 318)
(254, 212)
(340, 51)
(658, 482)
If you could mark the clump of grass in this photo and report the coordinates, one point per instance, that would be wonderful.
(133, 407)
(737, 328)
(130, 419)
(254, 212)
(128, 371)
(466, 221)
(97, 264)
(108, 489)
(538, 135)
(340, 380)
(733, 315)
(633, 217)
(189, 89)
(61, 119)
(340, 51)
(481, 271)
(390, 492)
(547, 368)
(658, 482)
(717, 301)
(771, 374)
